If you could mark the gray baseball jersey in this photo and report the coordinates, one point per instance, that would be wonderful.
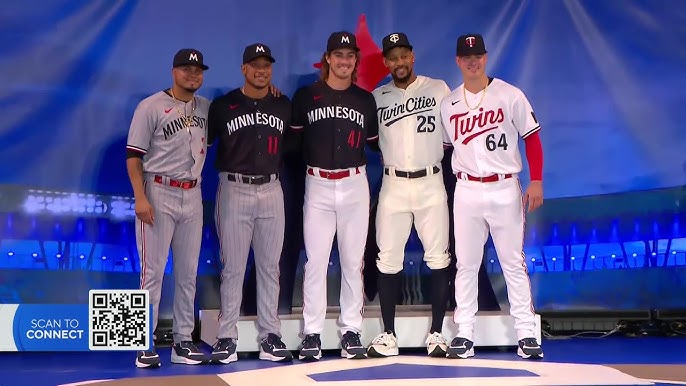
(170, 148)
(171, 135)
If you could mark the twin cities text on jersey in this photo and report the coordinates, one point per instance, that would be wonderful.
(340, 112)
(252, 119)
(174, 126)
(412, 106)
(465, 124)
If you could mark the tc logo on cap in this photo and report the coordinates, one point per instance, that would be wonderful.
(470, 41)
(394, 38)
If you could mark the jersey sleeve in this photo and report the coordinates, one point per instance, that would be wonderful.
(298, 117)
(445, 122)
(213, 122)
(141, 130)
(445, 91)
(523, 115)
(372, 121)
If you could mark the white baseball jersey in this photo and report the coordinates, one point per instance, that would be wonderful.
(486, 139)
(411, 133)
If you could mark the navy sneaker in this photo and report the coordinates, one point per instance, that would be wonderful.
(351, 347)
(224, 351)
(529, 349)
(186, 353)
(148, 359)
(273, 349)
(460, 348)
(311, 348)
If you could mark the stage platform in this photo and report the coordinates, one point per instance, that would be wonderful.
(412, 325)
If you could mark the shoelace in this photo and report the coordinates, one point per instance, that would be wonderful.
(530, 342)
(435, 338)
(223, 344)
(310, 341)
(275, 342)
(353, 339)
(381, 339)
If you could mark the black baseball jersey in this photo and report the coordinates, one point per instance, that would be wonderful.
(334, 125)
(249, 132)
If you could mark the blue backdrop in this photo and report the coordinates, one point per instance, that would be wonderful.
(606, 78)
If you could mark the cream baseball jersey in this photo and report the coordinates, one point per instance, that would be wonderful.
(411, 133)
(485, 129)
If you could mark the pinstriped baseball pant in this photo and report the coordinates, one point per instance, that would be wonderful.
(178, 219)
(248, 215)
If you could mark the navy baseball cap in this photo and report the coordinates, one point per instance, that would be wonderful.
(396, 39)
(257, 50)
(189, 56)
(341, 39)
(471, 44)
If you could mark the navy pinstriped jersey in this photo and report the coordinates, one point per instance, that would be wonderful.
(334, 125)
(249, 132)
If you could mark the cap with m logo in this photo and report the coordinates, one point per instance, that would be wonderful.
(257, 50)
(189, 57)
(340, 40)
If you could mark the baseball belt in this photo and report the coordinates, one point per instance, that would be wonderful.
(414, 174)
(176, 183)
(252, 180)
(491, 178)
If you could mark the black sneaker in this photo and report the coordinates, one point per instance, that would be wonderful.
(224, 351)
(273, 349)
(460, 348)
(186, 353)
(147, 359)
(529, 349)
(351, 347)
(311, 348)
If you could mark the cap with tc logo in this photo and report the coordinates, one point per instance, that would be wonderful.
(189, 57)
(396, 39)
(472, 44)
(340, 40)
(257, 50)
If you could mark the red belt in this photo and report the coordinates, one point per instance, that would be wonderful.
(491, 178)
(177, 183)
(332, 175)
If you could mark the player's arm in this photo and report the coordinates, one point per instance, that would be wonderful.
(447, 141)
(372, 124)
(137, 144)
(213, 123)
(293, 136)
(528, 126)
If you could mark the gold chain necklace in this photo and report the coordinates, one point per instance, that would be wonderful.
(187, 119)
(464, 95)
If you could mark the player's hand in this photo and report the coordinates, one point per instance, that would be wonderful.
(534, 195)
(274, 91)
(144, 211)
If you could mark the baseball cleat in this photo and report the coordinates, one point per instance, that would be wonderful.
(186, 353)
(273, 349)
(351, 347)
(529, 349)
(148, 359)
(224, 351)
(436, 345)
(384, 345)
(460, 348)
(311, 348)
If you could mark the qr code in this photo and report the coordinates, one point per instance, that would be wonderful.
(119, 320)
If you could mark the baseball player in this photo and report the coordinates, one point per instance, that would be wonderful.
(484, 118)
(165, 155)
(248, 124)
(334, 118)
(411, 138)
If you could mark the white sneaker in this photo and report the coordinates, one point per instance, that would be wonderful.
(384, 345)
(436, 345)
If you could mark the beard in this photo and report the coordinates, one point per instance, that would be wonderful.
(405, 78)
